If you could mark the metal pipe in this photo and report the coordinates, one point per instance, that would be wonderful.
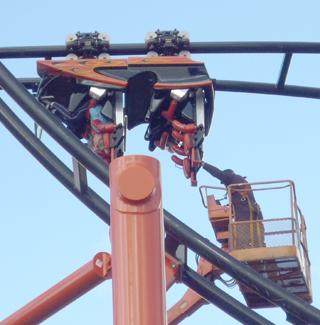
(53, 164)
(266, 88)
(294, 220)
(137, 240)
(19, 52)
(45, 119)
(232, 86)
(222, 300)
(195, 47)
(284, 70)
(255, 47)
(63, 293)
(30, 83)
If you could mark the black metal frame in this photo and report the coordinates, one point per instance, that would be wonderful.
(296, 309)
(102, 209)
(51, 162)
(236, 86)
(267, 88)
(20, 52)
(219, 298)
(278, 88)
(292, 305)
(49, 123)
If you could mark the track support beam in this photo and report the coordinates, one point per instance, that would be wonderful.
(64, 292)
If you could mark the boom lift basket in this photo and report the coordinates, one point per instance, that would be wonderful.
(276, 247)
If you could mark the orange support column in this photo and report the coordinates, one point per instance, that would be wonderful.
(137, 238)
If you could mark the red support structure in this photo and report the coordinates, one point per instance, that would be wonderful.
(191, 301)
(64, 292)
(173, 271)
(137, 237)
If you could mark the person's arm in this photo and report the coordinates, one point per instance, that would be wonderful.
(214, 171)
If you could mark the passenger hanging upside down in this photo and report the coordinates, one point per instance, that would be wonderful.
(248, 232)
(99, 132)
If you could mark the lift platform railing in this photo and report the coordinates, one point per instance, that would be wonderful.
(294, 228)
(303, 244)
(267, 232)
(263, 233)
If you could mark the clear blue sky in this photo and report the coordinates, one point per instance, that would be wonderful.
(45, 233)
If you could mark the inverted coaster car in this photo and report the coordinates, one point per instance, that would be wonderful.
(172, 94)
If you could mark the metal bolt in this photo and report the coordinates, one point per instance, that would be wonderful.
(99, 263)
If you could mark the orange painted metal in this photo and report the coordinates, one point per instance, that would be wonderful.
(86, 69)
(64, 292)
(186, 306)
(137, 237)
(191, 301)
(83, 69)
(162, 60)
(173, 271)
